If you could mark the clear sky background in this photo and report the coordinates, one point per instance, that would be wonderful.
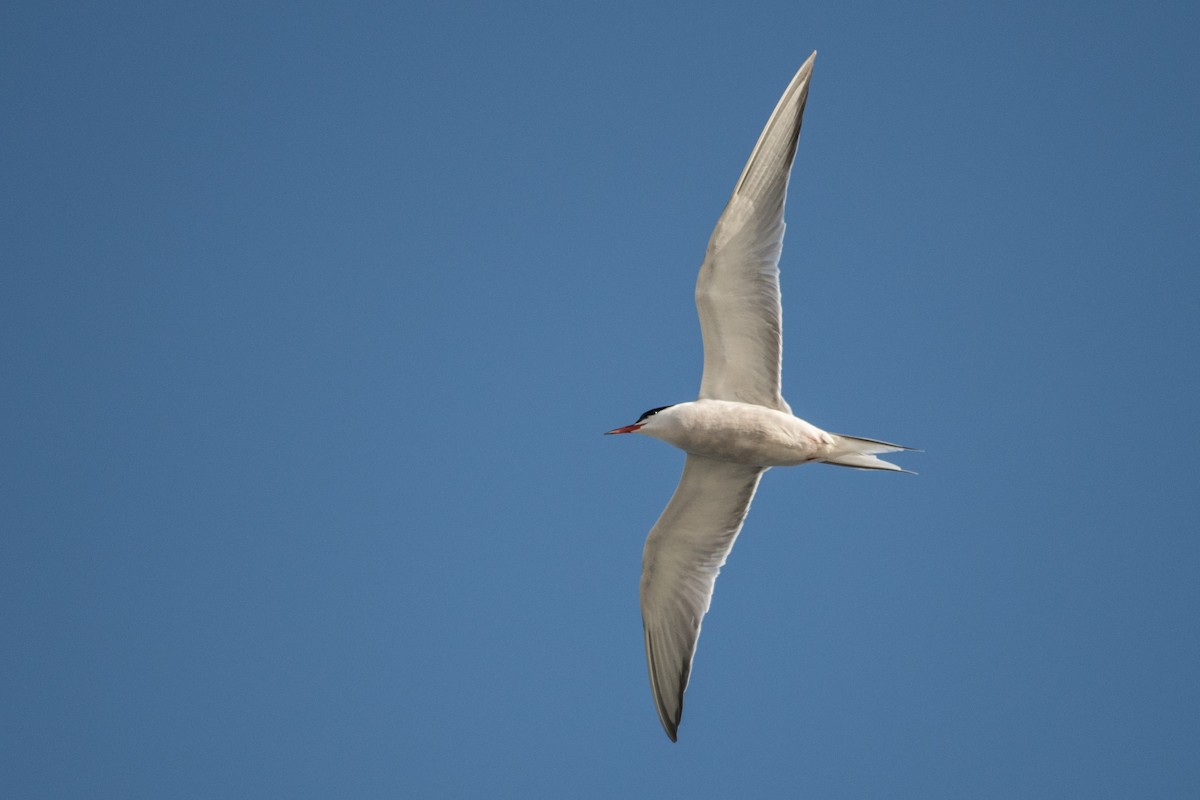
(313, 314)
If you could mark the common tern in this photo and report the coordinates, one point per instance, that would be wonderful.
(740, 425)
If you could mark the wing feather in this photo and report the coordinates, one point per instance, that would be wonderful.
(737, 293)
(685, 550)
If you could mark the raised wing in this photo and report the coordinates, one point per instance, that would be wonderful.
(737, 294)
(685, 550)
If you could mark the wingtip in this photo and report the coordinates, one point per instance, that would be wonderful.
(670, 723)
(671, 727)
(805, 72)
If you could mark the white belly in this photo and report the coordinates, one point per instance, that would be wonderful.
(743, 433)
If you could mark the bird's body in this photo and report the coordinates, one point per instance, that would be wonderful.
(740, 425)
(753, 435)
(741, 433)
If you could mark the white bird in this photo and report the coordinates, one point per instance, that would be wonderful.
(740, 426)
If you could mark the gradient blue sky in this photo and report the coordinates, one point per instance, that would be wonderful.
(313, 315)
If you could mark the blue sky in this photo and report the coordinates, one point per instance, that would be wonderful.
(313, 315)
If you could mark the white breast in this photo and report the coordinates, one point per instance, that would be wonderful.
(741, 433)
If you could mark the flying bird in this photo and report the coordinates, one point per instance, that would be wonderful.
(740, 426)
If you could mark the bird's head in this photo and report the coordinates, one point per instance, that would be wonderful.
(646, 419)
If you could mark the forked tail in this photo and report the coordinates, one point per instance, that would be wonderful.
(851, 451)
